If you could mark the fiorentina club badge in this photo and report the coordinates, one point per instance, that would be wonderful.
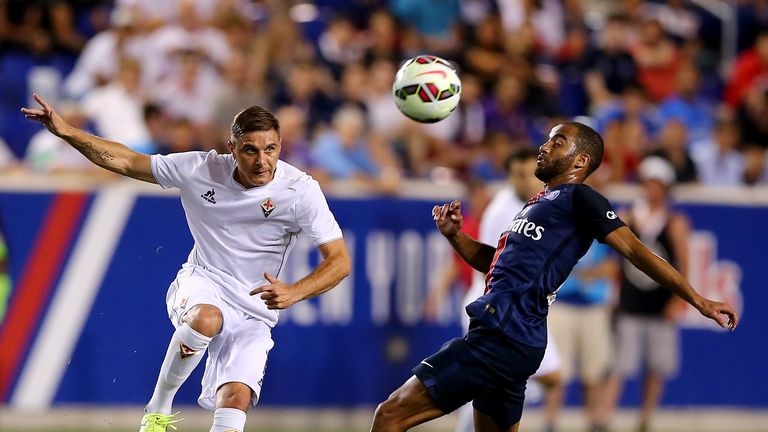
(267, 206)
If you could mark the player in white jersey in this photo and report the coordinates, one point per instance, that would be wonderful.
(521, 185)
(244, 211)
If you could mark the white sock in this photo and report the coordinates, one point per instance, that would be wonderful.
(228, 420)
(184, 354)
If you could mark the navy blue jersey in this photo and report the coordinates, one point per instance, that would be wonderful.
(535, 255)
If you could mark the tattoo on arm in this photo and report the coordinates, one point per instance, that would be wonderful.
(93, 153)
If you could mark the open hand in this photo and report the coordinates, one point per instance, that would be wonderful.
(720, 312)
(46, 115)
(276, 295)
(448, 218)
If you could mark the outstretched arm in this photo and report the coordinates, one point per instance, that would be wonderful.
(449, 221)
(107, 154)
(335, 266)
(624, 241)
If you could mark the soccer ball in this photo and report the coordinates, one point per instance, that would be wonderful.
(426, 89)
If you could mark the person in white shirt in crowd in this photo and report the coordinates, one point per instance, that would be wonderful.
(117, 109)
(718, 160)
(245, 211)
(98, 63)
(181, 93)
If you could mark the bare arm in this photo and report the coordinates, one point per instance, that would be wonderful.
(336, 265)
(107, 154)
(625, 242)
(449, 221)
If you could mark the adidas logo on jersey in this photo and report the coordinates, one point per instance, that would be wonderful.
(208, 196)
(526, 228)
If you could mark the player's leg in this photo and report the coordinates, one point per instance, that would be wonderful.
(232, 402)
(186, 349)
(486, 423)
(235, 370)
(408, 406)
(191, 307)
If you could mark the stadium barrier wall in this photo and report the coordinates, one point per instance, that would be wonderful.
(90, 266)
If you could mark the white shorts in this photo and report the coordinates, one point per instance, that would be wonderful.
(238, 353)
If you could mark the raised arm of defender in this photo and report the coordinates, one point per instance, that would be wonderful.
(449, 221)
(107, 154)
(628, 245)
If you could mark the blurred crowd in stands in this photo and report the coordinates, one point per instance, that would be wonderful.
(168, 75)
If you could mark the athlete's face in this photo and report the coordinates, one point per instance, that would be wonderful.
(557, 155)
(522, 177)
(256, 154)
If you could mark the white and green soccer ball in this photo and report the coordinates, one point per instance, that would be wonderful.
(426, 89)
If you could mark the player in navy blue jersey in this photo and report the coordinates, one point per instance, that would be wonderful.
(508, 332)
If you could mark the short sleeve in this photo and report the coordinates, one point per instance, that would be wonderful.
(315, 218)
(594, 213)
(174, 169)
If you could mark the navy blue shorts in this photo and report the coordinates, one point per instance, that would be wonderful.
(484, 367)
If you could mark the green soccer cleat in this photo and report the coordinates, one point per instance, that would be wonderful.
(156, 422)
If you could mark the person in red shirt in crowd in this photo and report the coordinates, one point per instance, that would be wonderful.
(751, 67)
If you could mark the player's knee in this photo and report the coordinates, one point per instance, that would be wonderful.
(234, 395)
(205, 319)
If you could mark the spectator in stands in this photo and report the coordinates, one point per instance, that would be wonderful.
(98, 63)
(489, 166)
(612, 60)
(674, 17)
(117, 109)
(581, 327)
(39, 27)
(182, 137)
(302, 90)
(240, 86)
(485, 53)
(573, 62)
(435, 21)
(181, 93)
(657, 60)
(687, 104)
(751, 68)
(505, 112)
(673, 147)
(646, 333)
(753, 116)
(340, 44)
(294, 147)
(629, 125)
(345, 153)
(719, 161)
(47, 152)
(755, 165)
(545, 17)
(382, 37)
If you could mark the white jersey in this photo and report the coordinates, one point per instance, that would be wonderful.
(241, 233)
